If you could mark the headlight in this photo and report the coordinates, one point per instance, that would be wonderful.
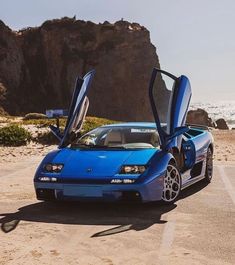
(133, 169)
(53, 168)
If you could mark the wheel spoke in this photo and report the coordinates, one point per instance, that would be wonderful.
(171, 187)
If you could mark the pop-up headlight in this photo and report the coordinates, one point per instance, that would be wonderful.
(53, 168)
(133, 169)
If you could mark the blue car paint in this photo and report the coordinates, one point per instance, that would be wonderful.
(181, 104)
(151, 191)
(149, 184)
(75, 182)
(104, 163)
(81, 90)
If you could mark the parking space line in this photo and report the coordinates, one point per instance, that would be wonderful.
(227, 183)
(166, 243)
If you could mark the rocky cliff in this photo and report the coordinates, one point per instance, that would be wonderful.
(38, 67)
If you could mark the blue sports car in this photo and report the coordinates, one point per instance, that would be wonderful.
(137, 161)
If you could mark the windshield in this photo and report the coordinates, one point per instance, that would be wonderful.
(120, 138)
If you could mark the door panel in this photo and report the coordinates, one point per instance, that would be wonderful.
(189, 152)
(78, 108)
(180, 103)
(169, 97)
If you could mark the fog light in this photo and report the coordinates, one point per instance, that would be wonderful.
(128, 181)
(122, 181)
(53, 179)
(46, 179)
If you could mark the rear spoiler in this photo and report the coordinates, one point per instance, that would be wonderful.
(197, 126)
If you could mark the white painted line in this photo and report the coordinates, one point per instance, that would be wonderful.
(227, 183)
(166, 243)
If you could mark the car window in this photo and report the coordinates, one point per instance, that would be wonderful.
(121, 137)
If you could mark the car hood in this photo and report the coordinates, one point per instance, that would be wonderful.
(99, 163)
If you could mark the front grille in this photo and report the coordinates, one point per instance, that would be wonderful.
(83, 181)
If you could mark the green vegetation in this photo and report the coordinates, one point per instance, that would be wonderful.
(46, 138)
(43, 122)
(89, 124)
(14, 135)
(94, 122)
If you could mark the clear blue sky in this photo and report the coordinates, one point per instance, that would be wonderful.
(192, 37)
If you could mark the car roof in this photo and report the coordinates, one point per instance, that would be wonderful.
(132, 124)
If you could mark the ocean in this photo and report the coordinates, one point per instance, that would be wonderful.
(217, 110)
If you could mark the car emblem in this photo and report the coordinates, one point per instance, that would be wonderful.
(89, 170)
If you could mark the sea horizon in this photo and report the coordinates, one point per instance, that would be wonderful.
(217, 109)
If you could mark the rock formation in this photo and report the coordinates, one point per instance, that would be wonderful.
(38, 67)
(199, 116)
(221, 124)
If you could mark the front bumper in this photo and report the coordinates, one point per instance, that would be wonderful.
(144, 192)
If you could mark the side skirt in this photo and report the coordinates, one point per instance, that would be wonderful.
(192, 181)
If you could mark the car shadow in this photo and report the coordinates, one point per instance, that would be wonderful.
(124, 217)
(193, 189)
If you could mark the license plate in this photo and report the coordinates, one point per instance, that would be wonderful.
(84, 191)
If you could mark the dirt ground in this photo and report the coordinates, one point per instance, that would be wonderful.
(224, 143)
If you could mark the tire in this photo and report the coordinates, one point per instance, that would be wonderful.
(209, 166)
(172, 184)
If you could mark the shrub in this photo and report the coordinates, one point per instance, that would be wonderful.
(44, 122)
(34, 116)
(47, 138)
(94, 122)
(14, 135)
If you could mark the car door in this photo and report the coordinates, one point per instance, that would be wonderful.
(169, 97)
(78, 108)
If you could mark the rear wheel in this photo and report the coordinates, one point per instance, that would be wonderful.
(209, 166)
(172, 184)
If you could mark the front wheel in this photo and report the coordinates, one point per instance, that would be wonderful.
(209, 166)
(172, 184)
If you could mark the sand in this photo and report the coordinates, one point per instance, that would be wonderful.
(224, 146)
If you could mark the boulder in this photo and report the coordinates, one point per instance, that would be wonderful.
(200, 117)
(221, 124)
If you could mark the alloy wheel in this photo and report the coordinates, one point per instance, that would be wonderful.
(172, 184)
(209, 166)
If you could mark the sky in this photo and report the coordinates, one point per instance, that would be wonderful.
(193, 37)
